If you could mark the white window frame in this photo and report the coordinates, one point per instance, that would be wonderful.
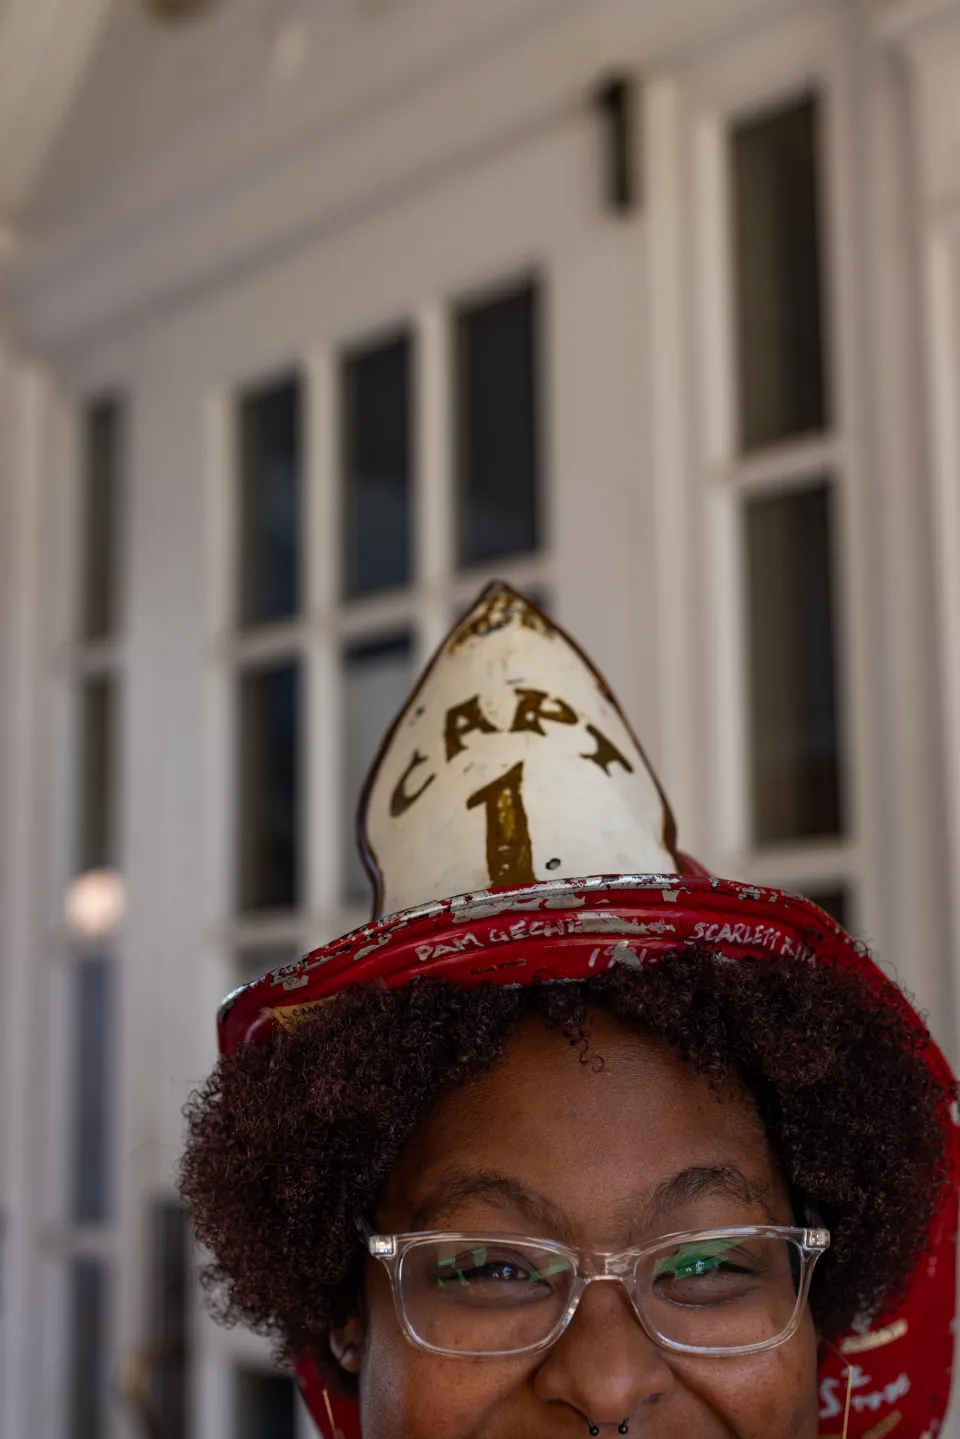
(425, 608)
(702, 482)
(72, 660)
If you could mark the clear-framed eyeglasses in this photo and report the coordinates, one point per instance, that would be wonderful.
(701, 1291)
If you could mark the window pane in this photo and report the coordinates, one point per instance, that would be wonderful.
(254, 960)
(377, 678)
(96, 840)
(498, 428)
(777, 257)
(377, 468)
(103, 458)
(87, 1373)
(269, 787)
(91, 1090)
(265, 1406)
(795, 745)
(835, 899)
(169, 1310)
(271, 464)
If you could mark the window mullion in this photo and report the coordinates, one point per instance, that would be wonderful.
(264, 646)
(672, 453)
(714, 267)
(324, 502)
(321, 494)
(784, 466)
(82, 1223)
(726, 622)
(433, 507)
(867, 783)
(221, 516)
(322, 858)
(365, 617)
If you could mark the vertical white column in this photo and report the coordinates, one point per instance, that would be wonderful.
(913, 905)
(725, 603)
(23, 424)
(866, 767)
(933, 52)
(669, 451)
(941, 258)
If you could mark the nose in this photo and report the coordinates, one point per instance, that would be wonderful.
(604, 1365)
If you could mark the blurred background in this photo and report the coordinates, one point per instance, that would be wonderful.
(316, 314)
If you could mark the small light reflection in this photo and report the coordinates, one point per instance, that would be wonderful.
(95, 904)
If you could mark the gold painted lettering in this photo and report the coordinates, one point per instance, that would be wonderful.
(606, 752)
(463, 720)
(509, 855)
(534, 706)
(400, 800)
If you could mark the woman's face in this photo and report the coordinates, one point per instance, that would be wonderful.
(612, 1158)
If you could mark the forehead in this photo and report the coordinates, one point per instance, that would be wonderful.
(595, 1129)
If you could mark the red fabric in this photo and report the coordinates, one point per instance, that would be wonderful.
(570, 929)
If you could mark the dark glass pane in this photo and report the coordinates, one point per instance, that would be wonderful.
(254, 960)
(169, 1300)
(97, 769)
(87, 1371)
(103, 458)
(498, 428)
(271, 464)
(835, 899)
(377, 678)
(778, 281)
(377, 468)
(92, 1090)
(266, 1406)
(269, 787)
(793, 705)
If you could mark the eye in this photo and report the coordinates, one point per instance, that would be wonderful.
(711, 1272)
(478, 1266)
(690, 1261)
(481, 1266)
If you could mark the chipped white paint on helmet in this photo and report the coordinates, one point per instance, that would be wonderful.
(510, 763)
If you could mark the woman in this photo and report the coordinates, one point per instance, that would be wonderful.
(644, 1153)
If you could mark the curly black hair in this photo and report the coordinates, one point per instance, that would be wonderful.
(293, 1136)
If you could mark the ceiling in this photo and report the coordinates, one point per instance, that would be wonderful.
(44, 49)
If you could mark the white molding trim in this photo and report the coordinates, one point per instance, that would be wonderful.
(898, 20)
(941, 261)
(234, 199)
(24, 457)
(44, 49)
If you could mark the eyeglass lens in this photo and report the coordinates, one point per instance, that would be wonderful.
(485, 1296)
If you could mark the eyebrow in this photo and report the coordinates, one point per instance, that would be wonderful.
(700, 1181)
(457, 1187)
